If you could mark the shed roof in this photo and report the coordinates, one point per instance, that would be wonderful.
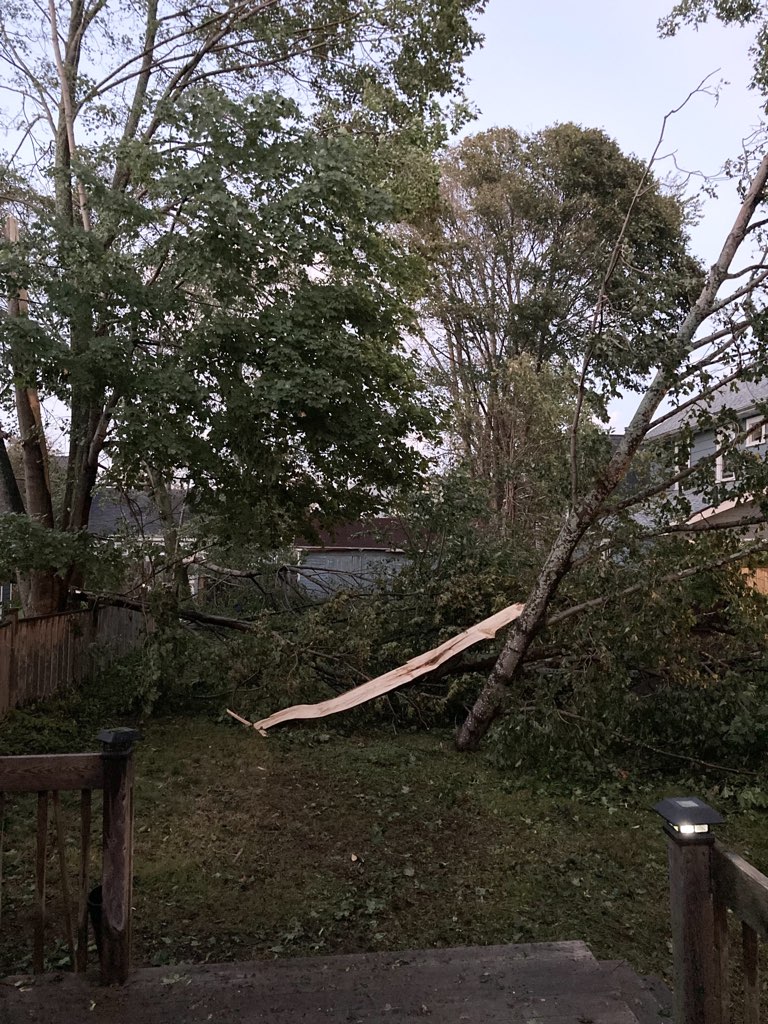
(381, 534)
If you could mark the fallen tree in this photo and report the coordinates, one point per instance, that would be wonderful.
(679, 366)
(432, 660)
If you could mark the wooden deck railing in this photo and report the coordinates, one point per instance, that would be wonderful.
(707, 883)
(742, 889)
(48, 775)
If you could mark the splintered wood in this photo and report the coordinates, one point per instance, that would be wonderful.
(418, 666)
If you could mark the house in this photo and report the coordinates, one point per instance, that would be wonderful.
(117, 515)
(745, 399)
(351, 556)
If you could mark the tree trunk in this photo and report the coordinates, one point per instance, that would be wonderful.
(46, 593)
(10, 495)
(41, 590)
(522, 634)
(161, 495)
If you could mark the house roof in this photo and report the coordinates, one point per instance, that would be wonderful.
(114, 512)
(740, 396)
(382, 534)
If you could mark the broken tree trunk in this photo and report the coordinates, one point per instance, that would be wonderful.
(418, 666)
(41, 590)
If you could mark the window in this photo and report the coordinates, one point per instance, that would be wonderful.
(724, 470)
(757, 431)
(682, 462)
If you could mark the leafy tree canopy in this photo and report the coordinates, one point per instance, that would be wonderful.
(555, 257)
(542, 241)
(214, 287)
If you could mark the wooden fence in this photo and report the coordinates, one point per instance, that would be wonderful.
(41, 655)
(758, 579)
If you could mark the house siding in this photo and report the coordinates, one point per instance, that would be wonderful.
(325, 572)
(704, 445)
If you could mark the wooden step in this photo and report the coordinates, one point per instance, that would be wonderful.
(648, 997)
(548, 983)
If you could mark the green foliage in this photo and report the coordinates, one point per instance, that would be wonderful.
(677, 667)
(216, 288)
(292, 394)
(525, 244)
(27, 546)
(665, 662)
(560, 264)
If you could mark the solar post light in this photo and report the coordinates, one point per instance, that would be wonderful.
(687, 819)
(688, 824)
(118, 740)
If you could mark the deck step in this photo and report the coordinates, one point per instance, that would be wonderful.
(548, 983)
(648, 997)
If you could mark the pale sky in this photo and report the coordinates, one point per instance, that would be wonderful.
(601, 64)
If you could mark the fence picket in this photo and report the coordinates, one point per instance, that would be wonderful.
(751, 975)
(2, 847)
(81, 956)
(64, 878)
(722, 959)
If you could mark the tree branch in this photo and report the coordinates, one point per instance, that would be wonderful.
(673, 577)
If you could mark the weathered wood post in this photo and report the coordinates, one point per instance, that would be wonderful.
(688, 825)
(117, 854)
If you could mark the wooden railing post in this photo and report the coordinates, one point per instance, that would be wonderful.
(117, 854)
(694, 935)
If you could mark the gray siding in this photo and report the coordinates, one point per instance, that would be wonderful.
(705, 445)
(326, 572)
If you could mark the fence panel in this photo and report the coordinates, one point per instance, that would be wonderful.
(39, 656)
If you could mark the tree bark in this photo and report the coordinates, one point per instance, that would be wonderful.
(523, 632)
(40, 590)
(10, 495)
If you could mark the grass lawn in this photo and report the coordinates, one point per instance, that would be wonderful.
(309, 842)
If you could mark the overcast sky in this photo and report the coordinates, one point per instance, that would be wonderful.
(601, 64)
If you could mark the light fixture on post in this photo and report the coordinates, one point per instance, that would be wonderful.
(688, 824)
(688, 819)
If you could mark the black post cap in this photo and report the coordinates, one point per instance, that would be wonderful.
(687, 810)
(121, 739)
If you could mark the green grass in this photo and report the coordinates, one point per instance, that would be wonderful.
(309, 843)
